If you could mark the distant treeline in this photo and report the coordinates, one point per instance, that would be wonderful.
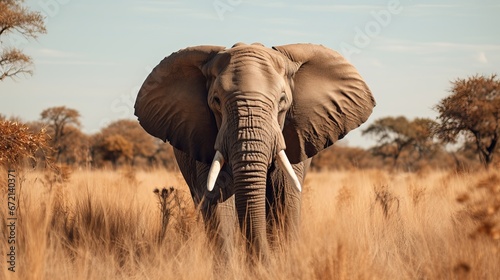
(464, 136)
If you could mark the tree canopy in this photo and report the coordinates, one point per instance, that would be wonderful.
(115, 147)
(61, 123)
(396, 135)
(16, 19)
(470, 116)
(473, 111)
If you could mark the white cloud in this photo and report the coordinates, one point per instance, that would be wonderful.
(481, 57)
(267, 4)
(164, 8)
(422, 10)
(53, 53)
(395, 45)
(59, 57)
(375, 62)
(338, 8)
(435, 6)
(73, 62)
(312, 7)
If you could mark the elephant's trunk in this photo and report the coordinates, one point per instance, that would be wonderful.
(249, 140)
(249, 175)
(251, 146)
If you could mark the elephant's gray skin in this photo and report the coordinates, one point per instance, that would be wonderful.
(248, 103)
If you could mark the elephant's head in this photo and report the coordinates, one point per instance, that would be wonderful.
(248, 103)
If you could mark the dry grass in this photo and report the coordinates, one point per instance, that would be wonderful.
(18, 143)
(355, 225)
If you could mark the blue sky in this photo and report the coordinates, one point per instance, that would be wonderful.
(96, 54)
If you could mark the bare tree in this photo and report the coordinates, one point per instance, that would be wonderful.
(473, 111)
(14, 18)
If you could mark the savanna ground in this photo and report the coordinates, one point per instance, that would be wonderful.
(355, 225)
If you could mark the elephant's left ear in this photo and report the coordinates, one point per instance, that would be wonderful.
(329, 99)
(172, 102)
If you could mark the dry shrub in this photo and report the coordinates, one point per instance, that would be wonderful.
(483, 202)
(19, 143)
(94, 225)
(387, 201)
(108, 228)
(129, 173)
(174, 210)
(406, 226)
(417, 193)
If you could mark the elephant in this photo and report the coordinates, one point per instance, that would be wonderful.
(244, 123)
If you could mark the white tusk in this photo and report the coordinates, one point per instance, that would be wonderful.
(214, 171)
(287, 167)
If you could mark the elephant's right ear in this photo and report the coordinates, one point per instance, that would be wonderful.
(172, 103)
(329, 99)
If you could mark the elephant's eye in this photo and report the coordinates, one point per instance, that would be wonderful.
(282, 102)
(216, 101)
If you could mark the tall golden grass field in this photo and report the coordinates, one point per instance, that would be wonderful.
(360, 224)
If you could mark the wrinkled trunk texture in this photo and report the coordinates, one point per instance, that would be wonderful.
(249, 156)
(250, 198)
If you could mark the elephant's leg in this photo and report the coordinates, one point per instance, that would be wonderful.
(221, 224)
(283, 204)
(276, 206)
(225, 226)
(293, 201)
(217, 207)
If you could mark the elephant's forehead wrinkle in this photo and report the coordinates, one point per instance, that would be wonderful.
(251, 69)
(253, 54)
(249, 103)
(249, 50)
(258, 64)
(250, 79)
(249, 116)
(248, 162)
